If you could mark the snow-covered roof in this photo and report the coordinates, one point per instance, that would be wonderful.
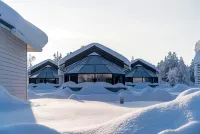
(106, 49)
(43, 62)
(35, 38)
(93, 64)
(145, 62)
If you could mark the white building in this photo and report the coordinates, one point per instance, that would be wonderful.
(197, 63)
(17, 37)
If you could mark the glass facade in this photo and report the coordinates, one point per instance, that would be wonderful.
(95, 78)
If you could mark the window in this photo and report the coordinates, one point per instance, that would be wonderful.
(86, 78)
(138, 79)
(95, 78)
(104, 78)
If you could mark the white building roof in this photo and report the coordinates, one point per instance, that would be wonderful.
(43, 62)
(22, 29)
(145, 62)
(106, 49)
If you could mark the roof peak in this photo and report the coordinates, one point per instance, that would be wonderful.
(94, 54)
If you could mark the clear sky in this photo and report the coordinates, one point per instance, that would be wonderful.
(146, 29)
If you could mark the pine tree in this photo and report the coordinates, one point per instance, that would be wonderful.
(183, 74)
(172, 76)
(191, 71)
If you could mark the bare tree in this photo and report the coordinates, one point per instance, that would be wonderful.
(30, 60)
(132, 58)
(57, 56)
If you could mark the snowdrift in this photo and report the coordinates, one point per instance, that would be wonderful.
(42, 86)
(147, 94)
(139, 86)
(179, 88)
(187, 92)
(27, 129)
(180, 116)
(8, 101)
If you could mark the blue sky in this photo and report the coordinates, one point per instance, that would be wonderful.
(143, 29)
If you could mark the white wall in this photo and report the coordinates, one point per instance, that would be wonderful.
(13, 64)
(197, 73)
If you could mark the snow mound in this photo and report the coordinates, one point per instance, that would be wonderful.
(8, 101)
(74, 97)
(60, 93)
(27, 129)
(179, 88)
(141, 85)
(189, 91)
(23, 29)
(164, 86)
(179, 116)
(44, 86)
(95, 88)
(69, 83)
(32, 95)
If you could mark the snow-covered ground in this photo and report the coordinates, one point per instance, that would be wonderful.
(82, 113)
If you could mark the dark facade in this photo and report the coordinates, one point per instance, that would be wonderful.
(94, 68)
(142, 72)
(45, 72)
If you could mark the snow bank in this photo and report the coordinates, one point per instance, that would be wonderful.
(27, 129)
(23, 29)
(148, 94)
(75, 97)
(180, 116)
(179, 88)
(187, 92)
(98, 92)
(8, 101)
(95, 88)
(141, 85)
(43, 86)
(164, 86)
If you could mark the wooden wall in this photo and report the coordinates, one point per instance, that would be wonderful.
(13, 64)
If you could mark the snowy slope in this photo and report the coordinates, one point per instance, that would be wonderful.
(145, 62)
(180, 116)
(106, 49)
(27, 129)
(23, 29)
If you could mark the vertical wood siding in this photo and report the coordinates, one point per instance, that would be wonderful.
(13, 64)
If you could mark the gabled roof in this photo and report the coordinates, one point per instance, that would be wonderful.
(46, 72)
(140, 72)
(41, 63)
(106, 49)
(93, 64)
(145, 62)
(35, 38)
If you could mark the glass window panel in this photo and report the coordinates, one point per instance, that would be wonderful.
(138, 79)
(86, 78)
(104, 78)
